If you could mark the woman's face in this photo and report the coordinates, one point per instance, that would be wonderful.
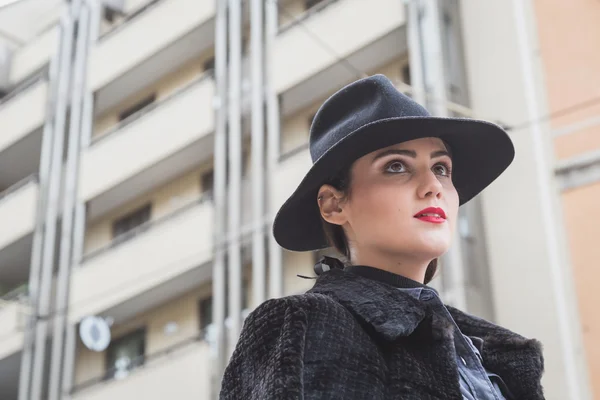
(402, 202)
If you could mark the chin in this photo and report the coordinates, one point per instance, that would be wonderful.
(433, 249)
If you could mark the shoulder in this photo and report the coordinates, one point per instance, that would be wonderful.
(309, 304)
(300, 312)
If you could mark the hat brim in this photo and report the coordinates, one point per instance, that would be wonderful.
(481, 151)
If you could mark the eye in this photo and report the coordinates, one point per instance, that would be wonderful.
(395, 167)
(442, 169)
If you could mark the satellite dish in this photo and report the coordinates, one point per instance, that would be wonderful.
(94, 333)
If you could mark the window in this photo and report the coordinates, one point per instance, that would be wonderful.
(209, 64)
(109, 15)
(207, 180)
(125, 354)
(308, 4)
(405, 73)
(137, 106)
(205, 306)
(132, 220)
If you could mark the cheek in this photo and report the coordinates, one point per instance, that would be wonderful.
(379, 210)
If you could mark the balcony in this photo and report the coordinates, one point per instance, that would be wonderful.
(182, 372)
(152, 42)
(22, 115)
(145, 267)
(148, 149)
(34, 56)
(17, 213)
(365, 35)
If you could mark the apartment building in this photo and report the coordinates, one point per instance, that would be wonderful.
(143, 90)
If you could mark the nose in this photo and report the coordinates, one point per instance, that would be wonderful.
(429, 186)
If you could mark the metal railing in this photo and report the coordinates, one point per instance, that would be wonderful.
(127, 236)
(20, 184)
(150, 107)
(306, 15)
(128, 18)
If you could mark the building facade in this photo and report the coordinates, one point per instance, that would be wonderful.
(147, 144)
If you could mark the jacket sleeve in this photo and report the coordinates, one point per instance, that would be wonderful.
(268, 360)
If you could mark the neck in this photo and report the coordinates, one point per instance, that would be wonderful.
(407, 267)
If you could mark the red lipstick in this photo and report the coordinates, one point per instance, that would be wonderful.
(434, 215)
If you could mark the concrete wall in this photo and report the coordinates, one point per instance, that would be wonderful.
(569, 38)
(525, 258)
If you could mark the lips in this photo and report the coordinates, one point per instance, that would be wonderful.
(432, 214)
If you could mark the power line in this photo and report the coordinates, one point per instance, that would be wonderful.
(559, 113)
(452, 106)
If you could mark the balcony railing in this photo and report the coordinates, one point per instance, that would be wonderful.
(152, 106)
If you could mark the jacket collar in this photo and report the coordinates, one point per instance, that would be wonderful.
(393, 314)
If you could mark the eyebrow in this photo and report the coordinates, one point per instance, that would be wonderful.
(410, 153)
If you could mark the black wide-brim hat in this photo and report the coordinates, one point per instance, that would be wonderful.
(371, 114)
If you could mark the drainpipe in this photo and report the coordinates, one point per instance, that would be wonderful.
(273, 137)
(38, 239)
(234, 259)
(220, 191)
(69, 198)
(258, 144)
(51, 217)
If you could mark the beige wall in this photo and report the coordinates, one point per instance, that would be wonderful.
(569, 38)
(164, 200)
(183, 311)
(162, 88)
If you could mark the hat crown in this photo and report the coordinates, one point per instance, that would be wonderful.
(358, 104)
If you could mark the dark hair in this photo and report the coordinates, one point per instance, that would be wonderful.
(336, 237)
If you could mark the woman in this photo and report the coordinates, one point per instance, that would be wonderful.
(384, 190)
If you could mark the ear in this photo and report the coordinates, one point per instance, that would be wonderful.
(330, 202)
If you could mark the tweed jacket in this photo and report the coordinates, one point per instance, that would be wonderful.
(350, 337)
